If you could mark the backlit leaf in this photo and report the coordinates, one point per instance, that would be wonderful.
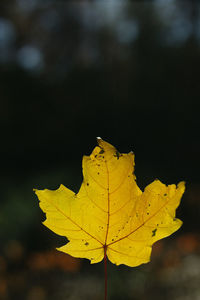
(110, 214)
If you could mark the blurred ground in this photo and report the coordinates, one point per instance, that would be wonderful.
(127, 71)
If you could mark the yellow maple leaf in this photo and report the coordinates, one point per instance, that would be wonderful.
(110, 215)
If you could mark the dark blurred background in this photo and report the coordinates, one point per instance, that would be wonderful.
(128, 71)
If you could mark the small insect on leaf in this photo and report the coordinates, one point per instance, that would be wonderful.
(110, 214)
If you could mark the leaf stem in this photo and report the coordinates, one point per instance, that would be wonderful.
(105, 274)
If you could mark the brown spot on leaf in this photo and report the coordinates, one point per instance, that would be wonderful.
(117, 154)
(101, 152)
(154, 232)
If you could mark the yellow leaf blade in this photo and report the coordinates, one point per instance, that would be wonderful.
(110, 212)
(152, 219)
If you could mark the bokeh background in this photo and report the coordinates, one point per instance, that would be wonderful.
(128, 71)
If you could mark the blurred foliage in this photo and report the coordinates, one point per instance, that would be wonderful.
(127, 71)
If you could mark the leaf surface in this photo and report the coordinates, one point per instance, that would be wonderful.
(110, 214)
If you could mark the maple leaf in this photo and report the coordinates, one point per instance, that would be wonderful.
(110, 215)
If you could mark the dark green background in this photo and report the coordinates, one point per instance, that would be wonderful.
(70, 71)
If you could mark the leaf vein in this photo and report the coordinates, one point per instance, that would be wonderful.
(69, 218)
(144, 222)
